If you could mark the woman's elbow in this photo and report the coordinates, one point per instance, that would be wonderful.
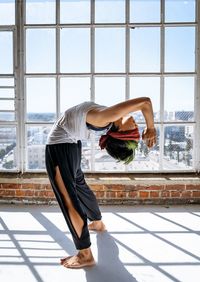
(146, 101)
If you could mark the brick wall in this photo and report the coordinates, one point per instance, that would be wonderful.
(117, 189)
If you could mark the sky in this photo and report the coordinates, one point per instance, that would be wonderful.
(109, 52)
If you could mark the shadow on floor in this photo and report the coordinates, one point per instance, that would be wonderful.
(109, 267)
(161, 245)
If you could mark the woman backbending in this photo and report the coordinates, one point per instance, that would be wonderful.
(63, 162)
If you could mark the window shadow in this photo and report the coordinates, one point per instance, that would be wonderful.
(40, 247)
(109, 266)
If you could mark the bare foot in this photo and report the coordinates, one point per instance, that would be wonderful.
(82, 259)
(62, 260)
(97, 225)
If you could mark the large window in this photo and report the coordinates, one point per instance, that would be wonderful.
(55, 54)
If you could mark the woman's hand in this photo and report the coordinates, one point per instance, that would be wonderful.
(149, 136)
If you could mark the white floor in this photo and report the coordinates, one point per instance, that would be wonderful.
(143, 243)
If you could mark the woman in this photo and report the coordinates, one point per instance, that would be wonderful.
(63, 162)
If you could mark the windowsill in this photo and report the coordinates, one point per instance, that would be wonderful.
(112, 178)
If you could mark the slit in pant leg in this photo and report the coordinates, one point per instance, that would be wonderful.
(75, 218)
(80, 234)
(61, 156)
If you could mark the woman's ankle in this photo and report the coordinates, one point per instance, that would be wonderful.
(86, 251)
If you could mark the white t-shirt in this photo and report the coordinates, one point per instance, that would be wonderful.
(71, 126)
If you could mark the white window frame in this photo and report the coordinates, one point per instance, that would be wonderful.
(20, 75)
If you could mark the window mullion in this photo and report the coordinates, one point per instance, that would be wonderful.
(92, 77)
(57, 58)
(196, 148)
(162, 69)
(127, 50)
(20, 10)
(127, 55)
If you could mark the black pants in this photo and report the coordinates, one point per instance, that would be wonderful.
(67, 156)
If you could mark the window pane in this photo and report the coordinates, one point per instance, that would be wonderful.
(179, 59)
(86, 155)
(40, 11)
(180, 90)
(7, 105)
(41, 99)
(6, 52)
(180, 10)
(6, 81)
(7, 93)
(8, 151)
(146, 159)
(7, 12)
(109, 11)
(7, 116)
(73, 90)
(75, 50)
(36, 139)
(40, 57)
(178, 147)
(142, 11)
(146, 87)
(109, 90)
(145, 50)
(110, 56)
(75, 11)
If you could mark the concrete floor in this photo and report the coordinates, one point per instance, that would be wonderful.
(143, 243)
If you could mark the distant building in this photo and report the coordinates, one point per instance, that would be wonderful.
(184, 115)
(36, 157)
(175, 133)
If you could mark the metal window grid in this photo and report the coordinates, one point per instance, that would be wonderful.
(20, 75)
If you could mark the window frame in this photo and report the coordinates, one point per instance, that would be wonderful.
(20, 75)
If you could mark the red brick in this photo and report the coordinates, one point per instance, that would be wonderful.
(41, 193)
(139, 187)
(196, 194)
(99, 194)
(114, 187)
(121, 194)
(29, 193)
(186, 194)
(154, 194)
(2, 191)
(96, 187)
(20, 193)
(50, 194)
(165, 194)
(28, 186)
(144, 194)
(193, 187)
(154, 187)
(133, 194)
(175, 194)
(46, 187)
(8, 192)
(10, 185)
(176, 187)
(110, 194)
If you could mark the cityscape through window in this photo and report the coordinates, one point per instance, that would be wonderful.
(60, 53)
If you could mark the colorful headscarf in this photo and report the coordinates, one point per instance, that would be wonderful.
(121, 135)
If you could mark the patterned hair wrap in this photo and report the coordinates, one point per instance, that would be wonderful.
(121, 135)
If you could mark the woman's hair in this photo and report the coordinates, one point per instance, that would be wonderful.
(121, 150)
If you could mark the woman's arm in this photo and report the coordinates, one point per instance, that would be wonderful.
(103, 117)
(110, 114)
